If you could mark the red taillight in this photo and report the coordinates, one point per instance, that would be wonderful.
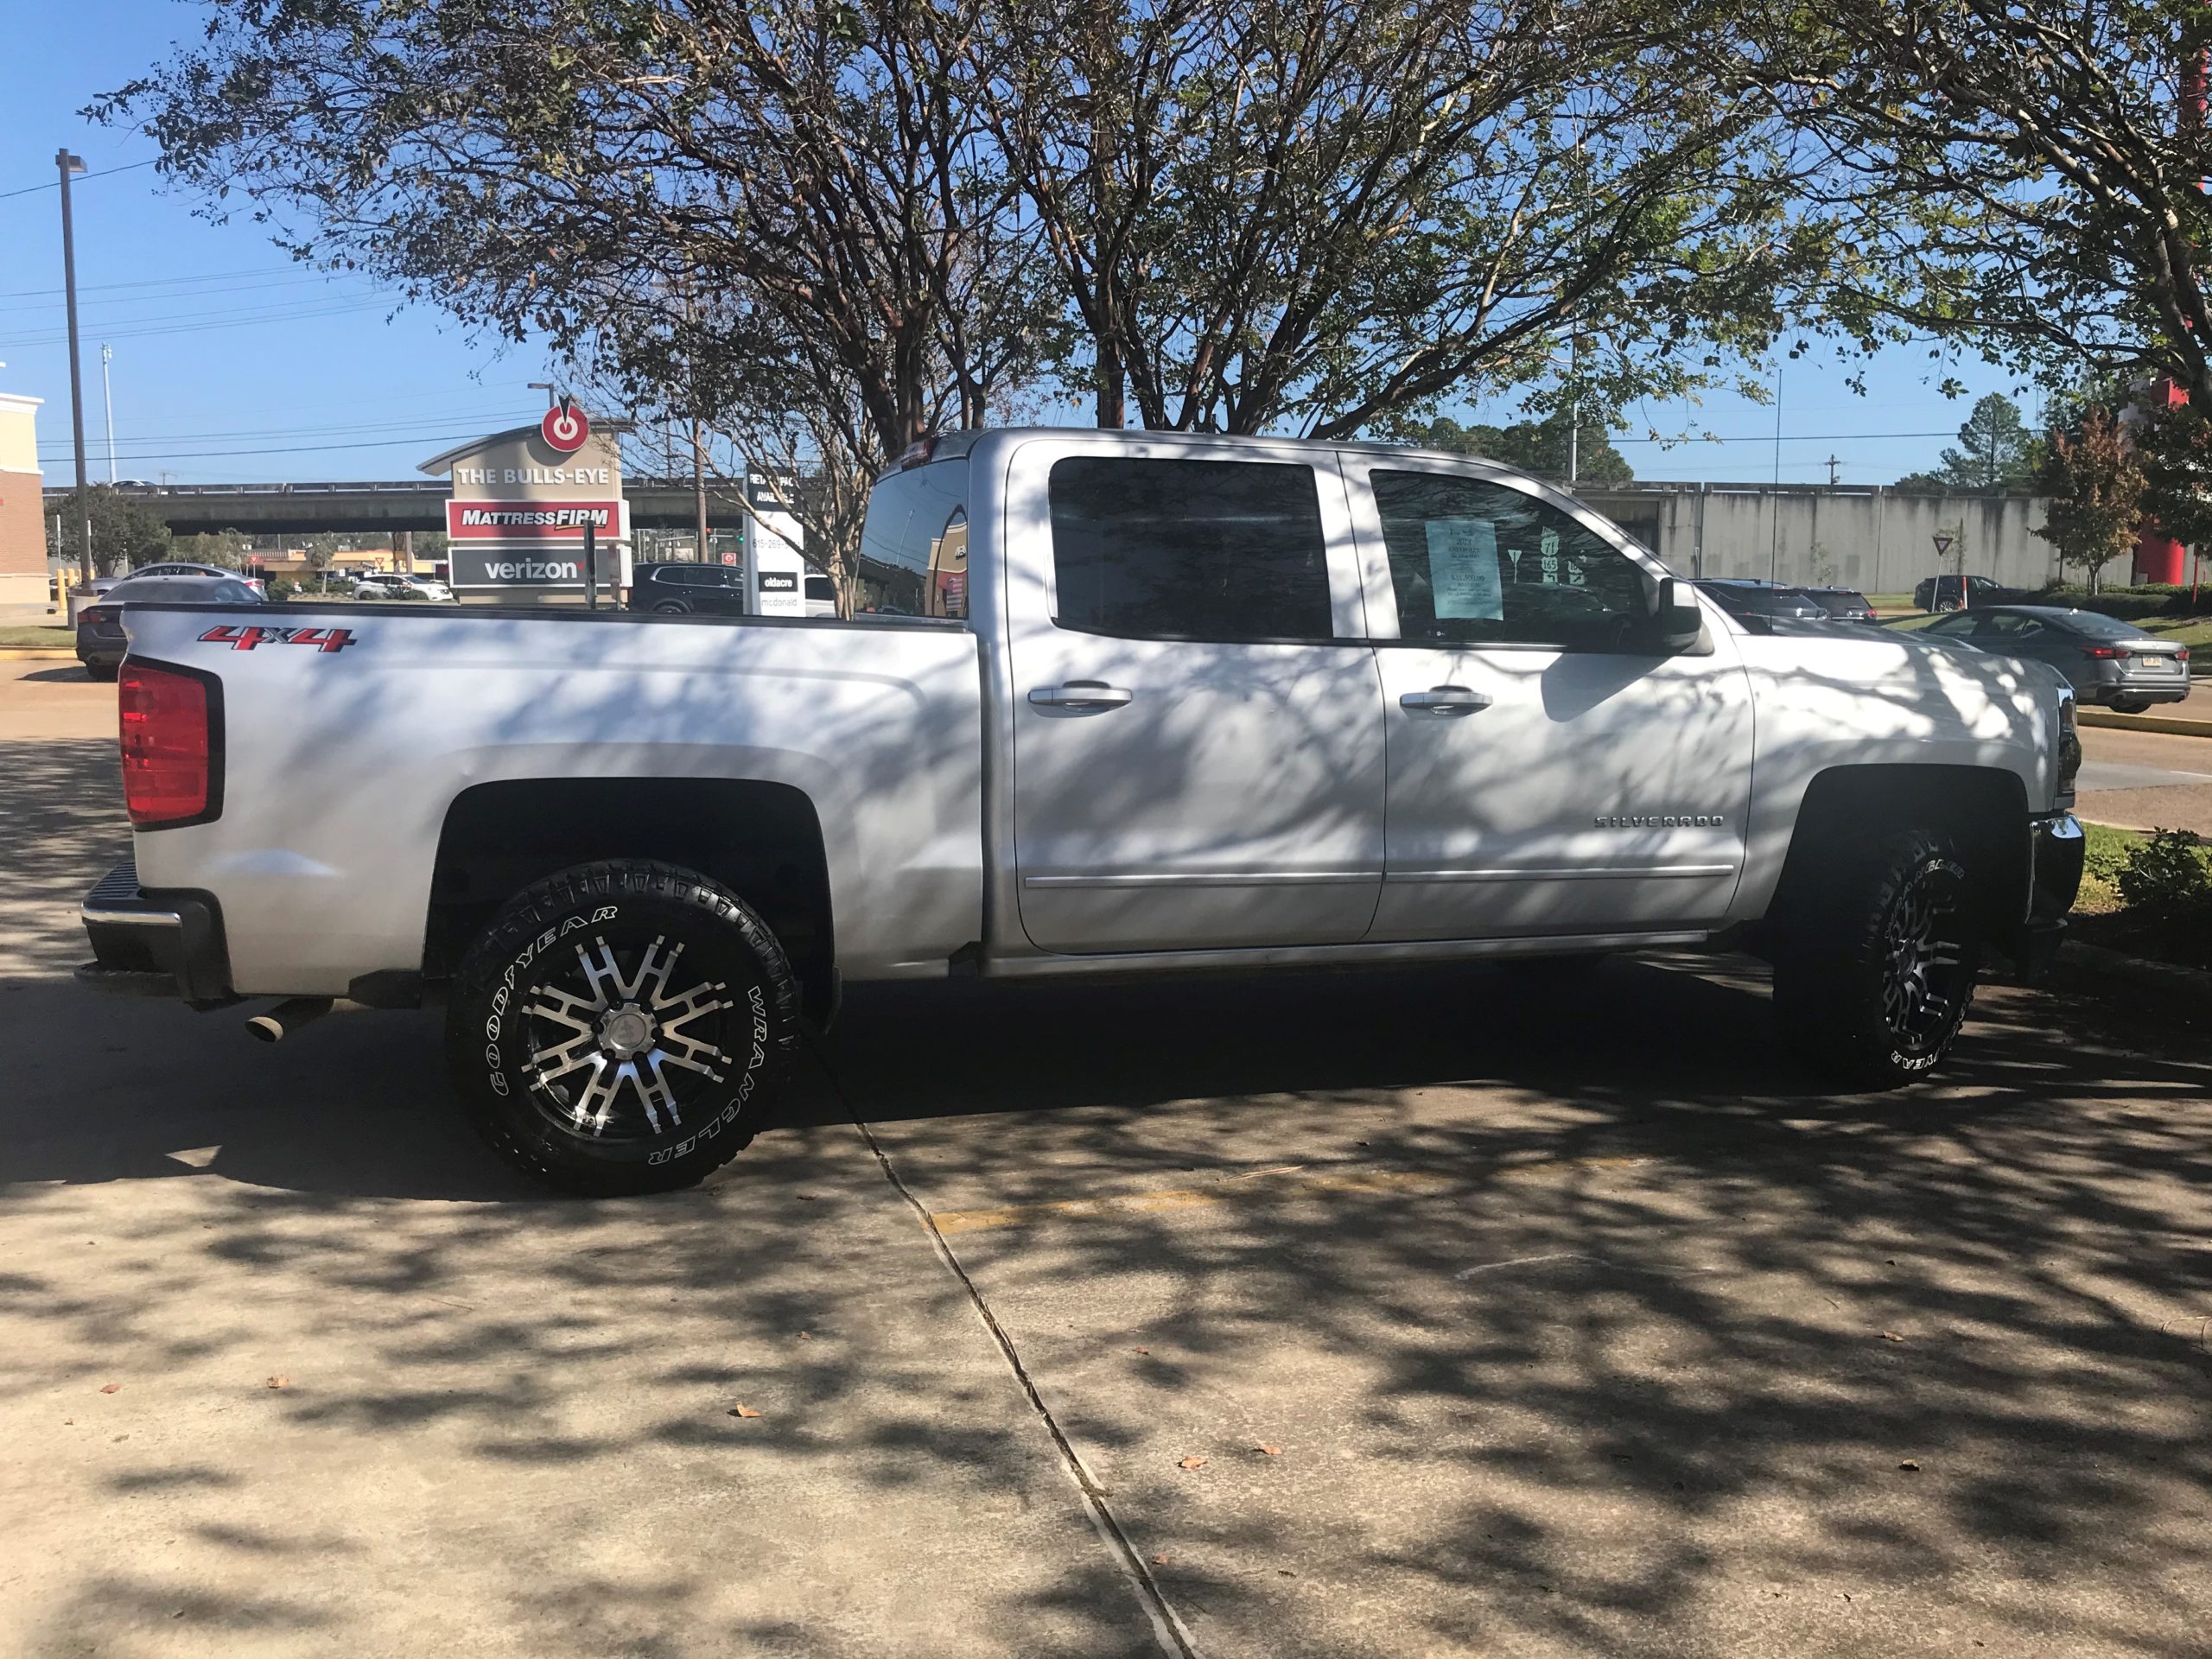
(2182, 655)
(93, 614)
(168, 745)
(2105, 652)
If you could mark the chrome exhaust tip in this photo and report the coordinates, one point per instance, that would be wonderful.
(287, 1017)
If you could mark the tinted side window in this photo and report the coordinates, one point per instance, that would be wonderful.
(1475, 561)
(907, 515)
(1189, 550)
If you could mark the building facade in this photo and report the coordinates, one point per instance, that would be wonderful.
(23, 580)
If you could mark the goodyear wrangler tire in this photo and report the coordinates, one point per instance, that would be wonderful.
(1874, 976)
(621, 1028)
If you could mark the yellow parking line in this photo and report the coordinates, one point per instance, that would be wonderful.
(1339, 1180)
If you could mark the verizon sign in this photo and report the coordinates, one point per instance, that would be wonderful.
(522, 500)
(531, 521)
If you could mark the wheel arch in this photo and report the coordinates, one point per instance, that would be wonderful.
(1983, 809)
(762, 840)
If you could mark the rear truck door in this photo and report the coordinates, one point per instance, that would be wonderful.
(1198, 752)
(1551, 770)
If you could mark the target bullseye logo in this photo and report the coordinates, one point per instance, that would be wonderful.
(564, 428)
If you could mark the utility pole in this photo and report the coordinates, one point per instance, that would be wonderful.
(1832, 479)
(699, 485)
(107, 403)
(70, 164)
(1574, 408)
(1773, 543)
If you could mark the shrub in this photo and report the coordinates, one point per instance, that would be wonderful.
(2128, 604)
(2167, 873)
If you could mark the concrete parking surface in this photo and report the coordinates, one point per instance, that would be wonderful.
(1506, 1318)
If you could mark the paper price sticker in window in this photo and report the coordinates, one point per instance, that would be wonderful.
(1463, 574)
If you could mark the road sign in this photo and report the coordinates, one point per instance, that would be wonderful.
(1942, 545)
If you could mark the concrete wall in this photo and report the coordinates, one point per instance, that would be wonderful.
(1877, 541)
(22, 520)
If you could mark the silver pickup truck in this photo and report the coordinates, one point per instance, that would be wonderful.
(1179, 704)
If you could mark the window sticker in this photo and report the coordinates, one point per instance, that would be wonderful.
(1462, 569)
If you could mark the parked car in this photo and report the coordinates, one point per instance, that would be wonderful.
(1222, 704)
(1743, 599)
(2106, 660)
(399, 584)
(1842, 604)
(101, 639)
(678, 590)
(185, 568)
(821, 596)
(1943, 593)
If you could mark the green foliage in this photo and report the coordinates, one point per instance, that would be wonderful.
(2096, 487)
(2168, 874)
(226, 550)
(126, 531)
(1996, 450)
(1538, 447)
(2174, 442)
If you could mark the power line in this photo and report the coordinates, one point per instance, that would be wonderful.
(55, 184)
(412, 424)
(1792, 437)
(144, 282)
(273, 281)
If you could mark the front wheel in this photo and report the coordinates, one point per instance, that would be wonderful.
(621, 1028)
(670, 607)
(1873, 977)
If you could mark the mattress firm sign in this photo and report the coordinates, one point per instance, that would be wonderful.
(522, 500)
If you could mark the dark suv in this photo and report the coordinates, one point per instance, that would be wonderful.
(674, 589)
(1942, 593)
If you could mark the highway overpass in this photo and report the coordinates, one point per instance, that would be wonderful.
(377, 508)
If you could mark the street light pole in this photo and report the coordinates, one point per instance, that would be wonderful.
(69, 164)
(107, 403)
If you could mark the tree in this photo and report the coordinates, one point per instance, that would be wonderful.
(2173, 442)
(226, 550)
(2033, 170)
(1996, 451)
(1538, 447)
(693, 201)
(1334, 214)
(2096, 487)
(126, 531)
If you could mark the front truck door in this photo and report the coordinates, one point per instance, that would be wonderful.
(1197, 729)
(1552, 770)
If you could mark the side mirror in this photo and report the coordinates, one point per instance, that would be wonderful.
(1676, 619)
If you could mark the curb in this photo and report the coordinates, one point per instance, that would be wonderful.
(36, 654)
(2172, 724)
(2138, 968)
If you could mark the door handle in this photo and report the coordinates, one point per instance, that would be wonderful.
(1445, 700)
(1081, 694)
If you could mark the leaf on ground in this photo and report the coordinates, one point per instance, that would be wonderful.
(280, 1381)
(1892, 1336)
(1272, 1451)
(110, 1388)
(1912, 1464)
(743, 1411)
(1159, 1561)
(1191, 1463)
(1140, 1350)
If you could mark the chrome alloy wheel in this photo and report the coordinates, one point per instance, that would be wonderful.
(616, 1054)
(1924, 978)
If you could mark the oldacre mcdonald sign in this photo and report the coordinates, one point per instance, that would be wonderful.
(522, 499)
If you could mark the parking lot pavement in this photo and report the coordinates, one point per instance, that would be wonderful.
(2146, 780)
(1507, 1315)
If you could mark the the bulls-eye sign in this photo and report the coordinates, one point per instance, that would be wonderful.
(565, 427)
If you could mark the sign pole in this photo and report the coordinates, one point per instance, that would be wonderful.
(591, 566)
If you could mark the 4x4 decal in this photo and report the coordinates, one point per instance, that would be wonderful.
(239, 638)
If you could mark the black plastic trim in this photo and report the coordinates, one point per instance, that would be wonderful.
(218, 752)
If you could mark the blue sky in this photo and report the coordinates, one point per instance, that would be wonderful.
(233, 365)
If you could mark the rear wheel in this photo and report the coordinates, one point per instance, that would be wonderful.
(670, 607)
(102, 670)
(621, 1028)
(1873, 974)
